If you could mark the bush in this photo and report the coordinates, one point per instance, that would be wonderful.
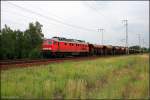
(35, 53)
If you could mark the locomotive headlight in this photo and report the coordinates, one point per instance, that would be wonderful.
(47, 48)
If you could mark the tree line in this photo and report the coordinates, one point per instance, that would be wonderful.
(17, 44)
(142, 49)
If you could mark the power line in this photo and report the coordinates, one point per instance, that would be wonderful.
(50, 18)
(69, 28)
(51, 13)
(98, 12)
(93, 8)
(17, 23)
(125, 22)
(27, 17)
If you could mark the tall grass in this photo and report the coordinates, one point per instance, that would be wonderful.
(113, 77)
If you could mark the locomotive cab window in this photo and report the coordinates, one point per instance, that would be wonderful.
(49, 42)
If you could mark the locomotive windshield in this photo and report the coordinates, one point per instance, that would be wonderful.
(49, 42)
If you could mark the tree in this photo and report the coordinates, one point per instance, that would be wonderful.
(34, 38)
(7, 43)
(34, 34)
(143, 49)
(136, 47)
(21, 44)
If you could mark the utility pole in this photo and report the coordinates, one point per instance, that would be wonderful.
(125, 22)
(139, 37)
(101, 30)
(143, 45)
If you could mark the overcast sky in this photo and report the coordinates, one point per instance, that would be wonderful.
(81, 19)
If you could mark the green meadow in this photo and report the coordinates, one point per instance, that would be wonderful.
(120, 77)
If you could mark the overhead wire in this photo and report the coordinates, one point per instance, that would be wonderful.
(98, 12)
(17, 23)
(52, 14)
(29, 17)
(50, 18)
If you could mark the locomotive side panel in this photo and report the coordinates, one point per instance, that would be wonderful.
(72, 47)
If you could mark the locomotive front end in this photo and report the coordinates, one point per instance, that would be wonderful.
(47, 47)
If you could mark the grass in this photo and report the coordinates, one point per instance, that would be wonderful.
(123, 77)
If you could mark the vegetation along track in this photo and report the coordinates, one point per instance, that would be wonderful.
(119, 77)
(7, 64)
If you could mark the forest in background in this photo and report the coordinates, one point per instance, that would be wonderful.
(17, 44)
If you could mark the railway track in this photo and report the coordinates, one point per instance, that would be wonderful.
(7, 64)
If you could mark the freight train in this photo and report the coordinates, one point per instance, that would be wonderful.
(61, 47)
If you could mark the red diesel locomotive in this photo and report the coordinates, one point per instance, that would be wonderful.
(58, 46)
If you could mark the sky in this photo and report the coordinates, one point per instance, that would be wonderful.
(82, 19)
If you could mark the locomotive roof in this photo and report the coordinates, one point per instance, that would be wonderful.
(67, 40)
